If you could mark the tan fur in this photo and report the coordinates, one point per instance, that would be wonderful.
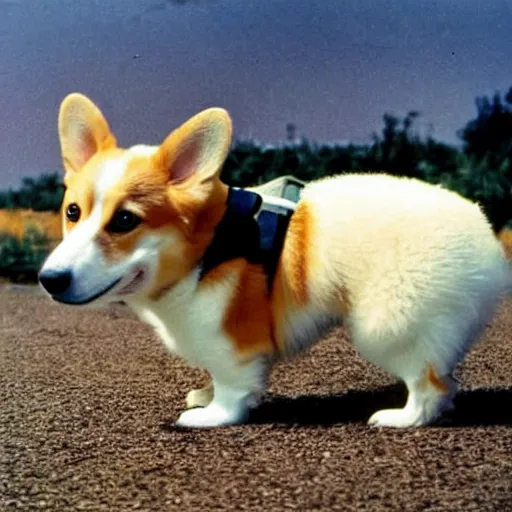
(247, 320)
(436, 381)
(294, 264)
(80, 119)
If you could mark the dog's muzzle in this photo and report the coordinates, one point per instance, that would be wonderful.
(59, 284)
(55, 282)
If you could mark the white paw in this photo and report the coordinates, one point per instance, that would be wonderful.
(398, 418)
(199, 397)
(211, 416)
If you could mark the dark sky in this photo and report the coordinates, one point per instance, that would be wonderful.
(333, 67)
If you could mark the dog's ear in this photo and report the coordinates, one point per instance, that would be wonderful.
(195, 152)
(83, 131)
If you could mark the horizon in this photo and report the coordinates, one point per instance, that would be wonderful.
(333, 70)
(265, 146)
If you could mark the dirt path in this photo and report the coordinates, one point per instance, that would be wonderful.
(88, 401)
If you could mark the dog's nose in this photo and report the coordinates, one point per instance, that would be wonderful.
(55, 282)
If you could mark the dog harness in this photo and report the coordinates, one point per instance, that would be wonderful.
(251, 229)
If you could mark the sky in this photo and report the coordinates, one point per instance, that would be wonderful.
(331, 67)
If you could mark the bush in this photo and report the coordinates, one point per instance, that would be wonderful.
(20, 260)
(43, 193)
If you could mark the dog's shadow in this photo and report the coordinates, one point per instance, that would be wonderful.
(479, 407)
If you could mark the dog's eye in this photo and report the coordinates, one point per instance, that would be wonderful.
(73, 212)
(123, 221)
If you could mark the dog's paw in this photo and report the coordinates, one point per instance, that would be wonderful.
(211, 416)
(199, 397)
(398, 418)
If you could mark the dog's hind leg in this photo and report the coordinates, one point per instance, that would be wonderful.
(422, 354)
(428, 397)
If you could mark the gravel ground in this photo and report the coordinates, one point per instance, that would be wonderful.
(88, 400)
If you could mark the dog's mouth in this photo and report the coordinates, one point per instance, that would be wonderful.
(133, 282)
(78, 300)
(122, 286)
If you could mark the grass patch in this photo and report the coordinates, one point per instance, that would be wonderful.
(21, 259)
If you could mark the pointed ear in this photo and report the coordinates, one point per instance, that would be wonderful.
(194, 153)
(83, 131)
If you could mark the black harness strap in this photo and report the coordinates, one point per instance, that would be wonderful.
(248, 231)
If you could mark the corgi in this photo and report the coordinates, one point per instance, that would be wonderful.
(413, 270)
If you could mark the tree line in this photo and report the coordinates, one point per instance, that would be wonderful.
(481, 169)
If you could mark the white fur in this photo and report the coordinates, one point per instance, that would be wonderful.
(110, 174)
(423, 272)
(189, 320)
(141, 150)
(305, 326)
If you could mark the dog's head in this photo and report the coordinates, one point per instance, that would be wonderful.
(137, 220)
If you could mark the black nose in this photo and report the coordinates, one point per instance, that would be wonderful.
(55, 282)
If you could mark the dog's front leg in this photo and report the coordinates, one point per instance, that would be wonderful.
(234, 394)
(200, 397)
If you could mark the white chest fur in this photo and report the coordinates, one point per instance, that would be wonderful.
(189, 320)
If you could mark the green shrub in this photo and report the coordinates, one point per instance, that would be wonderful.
(20, 260)
(43, 193)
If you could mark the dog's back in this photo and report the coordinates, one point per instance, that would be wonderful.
(378, 234)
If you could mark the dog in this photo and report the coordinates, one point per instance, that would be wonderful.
(413, 270)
